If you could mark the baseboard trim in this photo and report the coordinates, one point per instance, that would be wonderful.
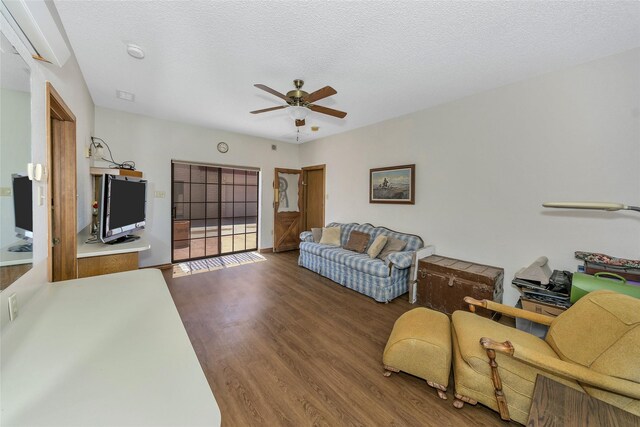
(160, 266)
(265, 250)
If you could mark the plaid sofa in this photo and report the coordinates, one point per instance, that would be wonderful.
(381, 280)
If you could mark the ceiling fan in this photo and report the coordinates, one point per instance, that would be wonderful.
(300, 102)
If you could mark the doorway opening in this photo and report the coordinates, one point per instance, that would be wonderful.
(214, 210)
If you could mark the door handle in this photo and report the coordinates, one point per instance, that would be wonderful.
(173, 212)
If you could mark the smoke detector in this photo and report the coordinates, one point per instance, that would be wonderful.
(135, 51)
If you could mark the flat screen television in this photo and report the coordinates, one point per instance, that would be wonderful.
(22, 205)
(123, 203)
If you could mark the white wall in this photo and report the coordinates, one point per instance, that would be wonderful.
(485, 163)
(15, 152)
(70, 84)
(153, 143)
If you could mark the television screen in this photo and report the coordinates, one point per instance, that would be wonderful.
(22, 205)
(122, 206)
(127, 203)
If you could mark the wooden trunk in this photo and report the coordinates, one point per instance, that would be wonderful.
(444, 282)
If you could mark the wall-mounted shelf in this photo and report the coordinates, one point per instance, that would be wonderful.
(114, 171)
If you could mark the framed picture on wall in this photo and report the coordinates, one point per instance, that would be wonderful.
(395, 184)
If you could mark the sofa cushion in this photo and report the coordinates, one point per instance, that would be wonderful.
(358, 241)
(336, 254)
(317, 234)
(330, 236)
(401, 259)
(393, 245)
(413, 242)
(364, 264)
(314, 248)
(377, 246)
(346, 229)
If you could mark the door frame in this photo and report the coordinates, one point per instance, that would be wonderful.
(305, 171)
(57, 109)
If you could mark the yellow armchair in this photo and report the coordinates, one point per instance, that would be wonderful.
(594, 347)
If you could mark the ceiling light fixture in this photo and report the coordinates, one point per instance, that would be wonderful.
(135, 51)
(298, 113)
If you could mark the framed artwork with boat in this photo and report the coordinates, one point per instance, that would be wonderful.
(395, 184)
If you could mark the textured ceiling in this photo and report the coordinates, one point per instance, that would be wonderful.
(385, 59)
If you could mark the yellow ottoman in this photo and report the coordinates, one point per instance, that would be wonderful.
(420, 345)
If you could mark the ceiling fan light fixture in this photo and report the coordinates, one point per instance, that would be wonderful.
(298, 113)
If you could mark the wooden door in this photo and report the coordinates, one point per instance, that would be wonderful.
(61, 143)
(314, 185)
(287, 209)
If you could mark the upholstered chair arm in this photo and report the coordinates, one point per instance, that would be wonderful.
(565, 369)
(400, 260)
(306, 236)
(508, 311)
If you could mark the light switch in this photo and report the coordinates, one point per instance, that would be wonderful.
(160, 194)
(13, 306)
(5, 191)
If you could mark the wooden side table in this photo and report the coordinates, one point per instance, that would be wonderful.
(555, 404)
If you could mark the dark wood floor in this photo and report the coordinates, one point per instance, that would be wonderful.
(281, 345)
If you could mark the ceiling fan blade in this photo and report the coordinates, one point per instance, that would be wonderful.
(300, 122)
(328, 111)
(268, 109)
(320, 94)
(272, 91)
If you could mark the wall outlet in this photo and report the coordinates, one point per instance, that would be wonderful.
(160, 194)
(5, 191)
(13, 306)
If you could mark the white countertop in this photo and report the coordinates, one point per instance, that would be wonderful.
(97, 248)
(103, 351)
(14, 258)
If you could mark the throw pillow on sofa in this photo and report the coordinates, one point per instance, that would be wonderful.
(330, 236)
(377, 246)
(393, 245)
(358, 241)
(317, 234)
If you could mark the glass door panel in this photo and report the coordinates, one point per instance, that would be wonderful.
(214, 211)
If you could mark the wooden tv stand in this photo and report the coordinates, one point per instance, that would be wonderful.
(95, 259)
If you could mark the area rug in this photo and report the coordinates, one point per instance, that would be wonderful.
(212, 264)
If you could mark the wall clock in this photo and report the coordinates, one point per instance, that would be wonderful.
(223, 147)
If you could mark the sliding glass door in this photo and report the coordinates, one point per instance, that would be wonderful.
(214, 211)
